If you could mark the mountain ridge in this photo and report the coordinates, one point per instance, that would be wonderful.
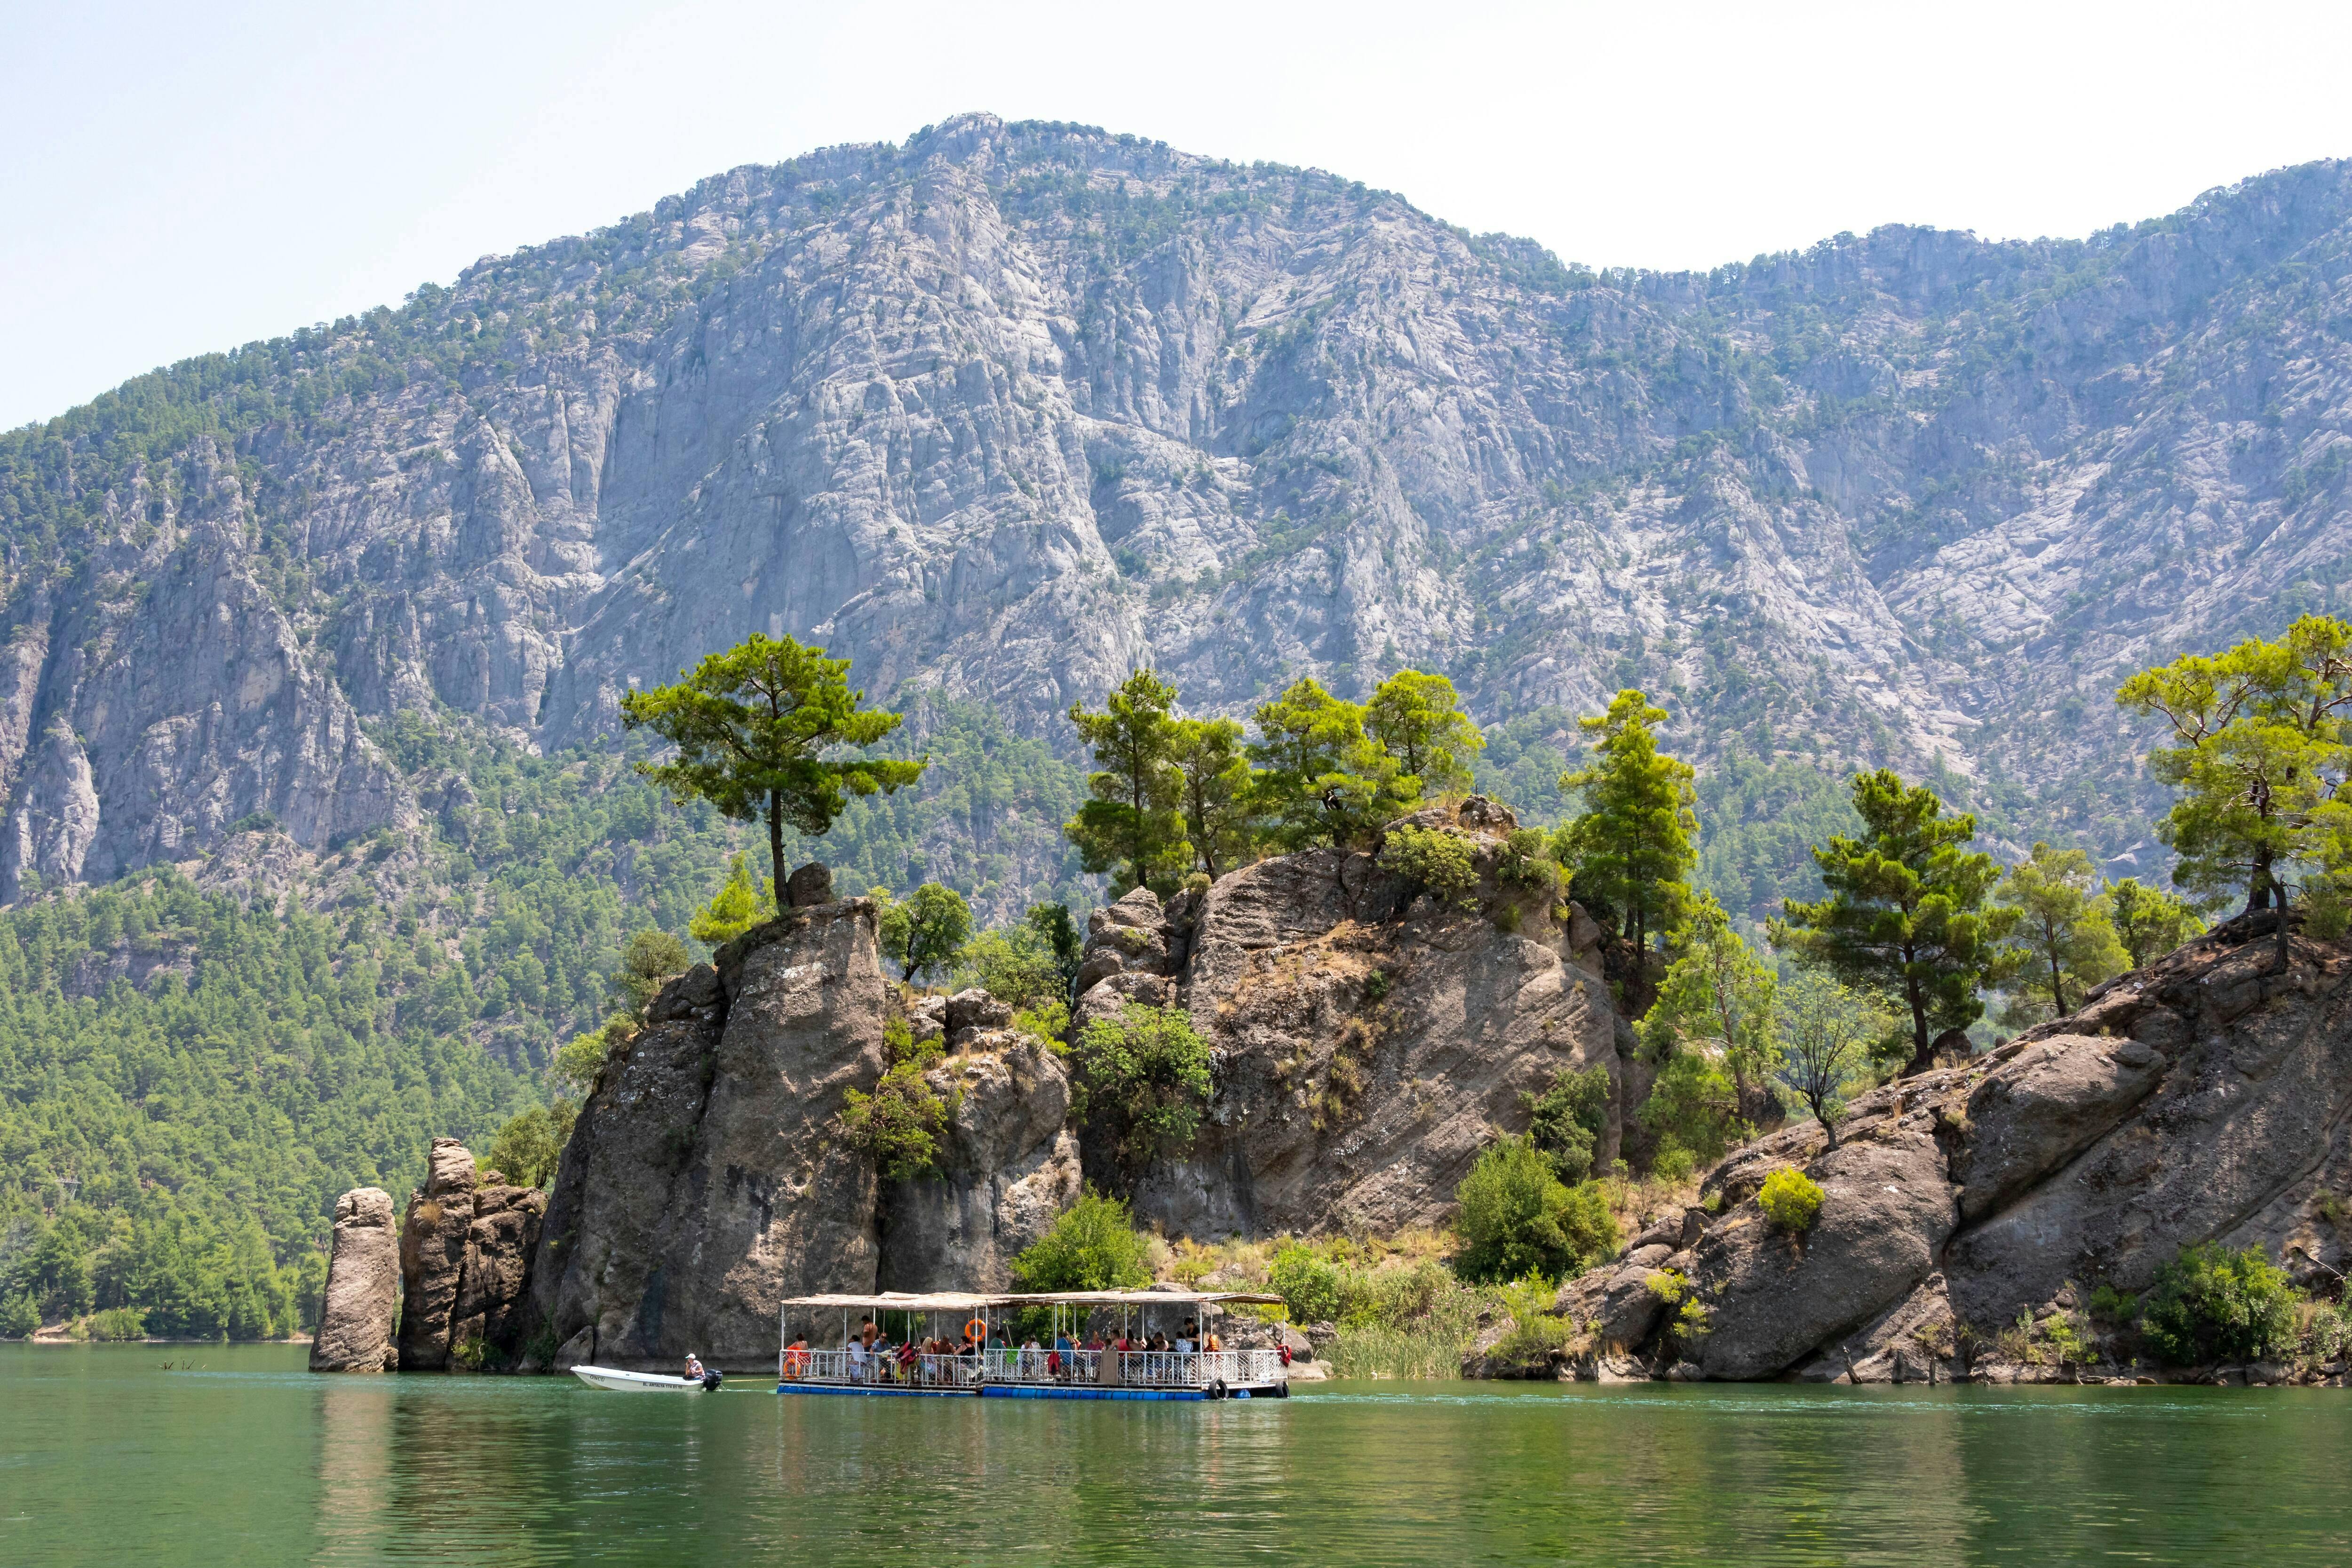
(1002, 411)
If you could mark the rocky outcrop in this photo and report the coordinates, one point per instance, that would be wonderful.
(2206, 1097)
(1007, 1164)
(707, 1177)
(362, 1287)
(1368, 1040)
(466, 1249)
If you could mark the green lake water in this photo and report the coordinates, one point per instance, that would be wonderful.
(243, 1458)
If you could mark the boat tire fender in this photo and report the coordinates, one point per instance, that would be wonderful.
(1217, 1389)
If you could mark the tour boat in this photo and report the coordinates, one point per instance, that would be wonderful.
(999, 1370)
(615, 1378)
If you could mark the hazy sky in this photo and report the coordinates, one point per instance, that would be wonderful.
(178, 178)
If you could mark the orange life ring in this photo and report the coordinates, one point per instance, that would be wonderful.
(977, 1328)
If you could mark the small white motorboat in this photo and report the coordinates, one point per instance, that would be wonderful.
(644, 1381)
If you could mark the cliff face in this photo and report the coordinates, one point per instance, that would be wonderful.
(1007, 409)
(1366, 1048)
(1369, 1042)
(2206, 1097)
(465, 1249)
(706, 1176)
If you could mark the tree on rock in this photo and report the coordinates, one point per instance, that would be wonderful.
(1133, 816)
(753, 727)
(2259, 755)
(1905, 911)
(1419, 719)
(1826, 1030)
(2148, 922)
(924, 933)
(1717, 997)
(2063, 944)
(1631, 849)
(1214, 793)
(1322, 779)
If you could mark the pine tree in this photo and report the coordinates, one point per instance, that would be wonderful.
(1321, 779)
(1418, 717)
(1133, 816)
(2261, 756)
(1214, 793)
(1631, 849)
(2063, 943)
(1905, 911)
(923, 933)
(2148, 922)
(1717, 993)
(753, 727)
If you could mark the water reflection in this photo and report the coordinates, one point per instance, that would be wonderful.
(105, 1460)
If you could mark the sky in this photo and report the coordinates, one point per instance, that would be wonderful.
(176, 179)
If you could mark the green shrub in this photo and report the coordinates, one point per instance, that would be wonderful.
(1307, 1282)
(118, 1324)
(1525, 862)
(898, 1124)
(1045, 1022)
(1435, 860)
(2109, 1305)
(1017, 967)
(1093, 1245)
(924, 933)
(2214, 1304)
(1144, 1073)
(528, 1147)
(1790, 1199)
(1693, 1106)
(1565, 1121)
(1518, 1218)
(650, 958)
(19, 1317)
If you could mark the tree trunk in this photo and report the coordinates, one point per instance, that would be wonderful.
(2258, 886)
(2057, 984)
(776, 844)
(1919, 1061)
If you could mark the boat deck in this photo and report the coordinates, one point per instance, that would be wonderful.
(1039, 1375)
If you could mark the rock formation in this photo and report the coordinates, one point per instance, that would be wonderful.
(1369, 1040)
(706, 1176)
(362, 1287)
(466, 1246)
(2205, 1097)
(1367, 1046)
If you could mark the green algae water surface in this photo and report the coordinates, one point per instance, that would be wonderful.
(244, 1458)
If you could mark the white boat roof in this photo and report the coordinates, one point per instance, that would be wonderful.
(962, 1301)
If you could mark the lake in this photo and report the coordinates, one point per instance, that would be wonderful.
(244, 1459)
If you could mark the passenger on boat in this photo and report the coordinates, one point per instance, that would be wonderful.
(693, 1367)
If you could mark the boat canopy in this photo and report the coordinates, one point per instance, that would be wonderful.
(962, 1301)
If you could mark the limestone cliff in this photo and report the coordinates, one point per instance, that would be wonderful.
(2206, 1097)
(362, 1287)
(1367, 1044)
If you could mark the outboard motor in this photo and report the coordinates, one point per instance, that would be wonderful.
(711, 1380)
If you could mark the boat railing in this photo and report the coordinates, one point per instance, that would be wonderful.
(886, 1368)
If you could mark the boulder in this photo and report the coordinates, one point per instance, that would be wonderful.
(808, 886)
(970, 1011)
(1364, 1054)
(465, 1249)
(707, 1177)
(2044, 1107)
(1772, 1297)
(362, 1287)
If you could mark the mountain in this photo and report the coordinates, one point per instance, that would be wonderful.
(1004, 410)
(336, 625)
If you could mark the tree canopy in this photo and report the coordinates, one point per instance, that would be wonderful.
(1904, 909)
(1631, 849)
(753, 726)
(2260, 754)
(2064, 943)
(1133, 816)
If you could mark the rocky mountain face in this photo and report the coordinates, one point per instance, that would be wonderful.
(1365, 1047)
(2206, 1097)
(1002, 411)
